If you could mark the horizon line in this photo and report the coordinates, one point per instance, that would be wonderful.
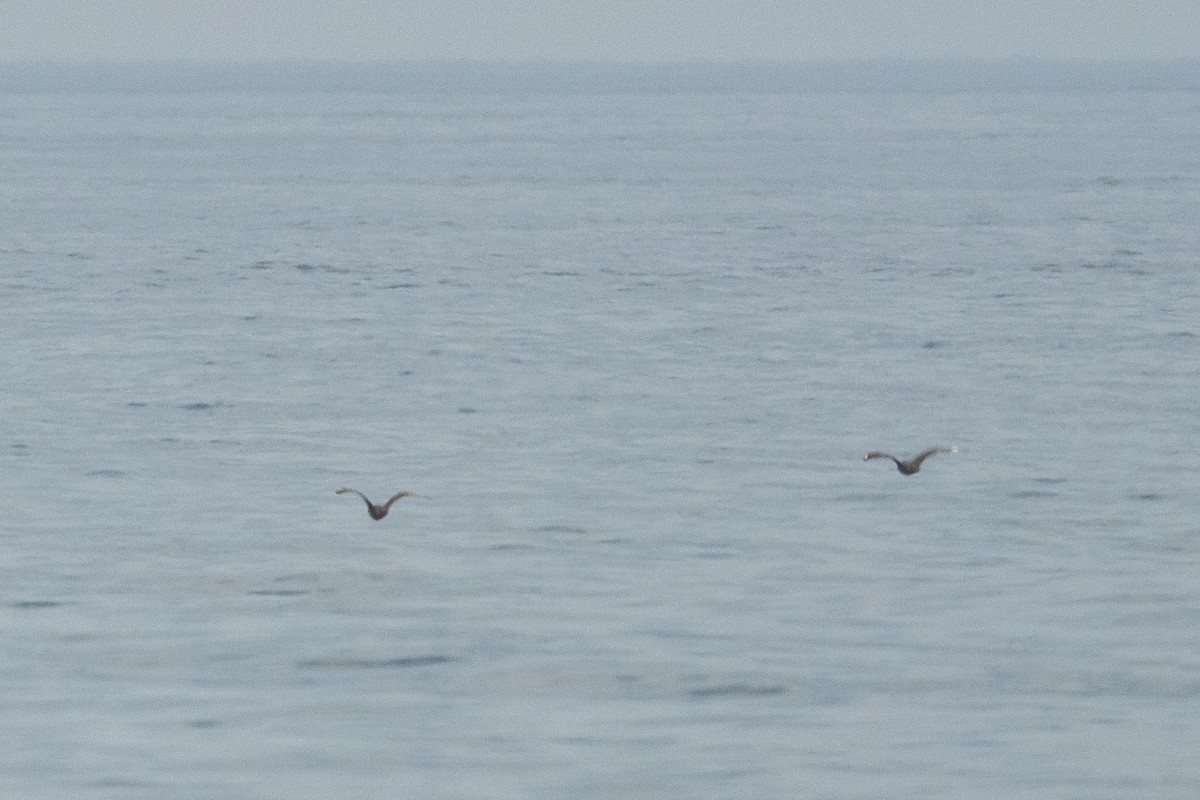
(631, 62)
(891, 74)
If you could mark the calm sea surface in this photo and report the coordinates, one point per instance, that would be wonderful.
(633, 348)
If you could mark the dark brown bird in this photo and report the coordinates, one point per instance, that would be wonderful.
(913, 465)
(379, 512)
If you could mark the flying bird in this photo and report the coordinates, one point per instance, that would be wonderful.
(913, 465)
(379, 512)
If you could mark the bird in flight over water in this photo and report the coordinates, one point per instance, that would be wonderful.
(913, 465)
(379, 512)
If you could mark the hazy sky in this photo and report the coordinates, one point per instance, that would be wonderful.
(607, 30)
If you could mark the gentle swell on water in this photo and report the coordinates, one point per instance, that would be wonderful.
(633, 347)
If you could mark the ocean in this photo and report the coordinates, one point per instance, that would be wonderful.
(633, 347)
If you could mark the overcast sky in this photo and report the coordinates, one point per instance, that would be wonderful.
(605, 30)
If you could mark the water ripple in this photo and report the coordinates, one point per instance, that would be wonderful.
(403, 662)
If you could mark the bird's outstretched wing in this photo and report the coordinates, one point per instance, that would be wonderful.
(877, 454)
(916, 462)
(344, 490)
(398, 495)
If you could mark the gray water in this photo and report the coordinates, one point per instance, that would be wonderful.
(633, 349)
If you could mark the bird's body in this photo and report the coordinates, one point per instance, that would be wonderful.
(379, 512)
(913, 465)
